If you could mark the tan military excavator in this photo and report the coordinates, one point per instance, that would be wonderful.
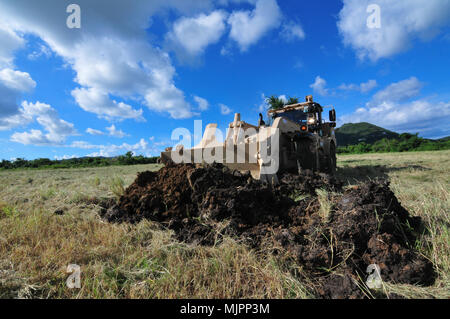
(297, 138)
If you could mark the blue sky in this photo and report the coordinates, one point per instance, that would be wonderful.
(136, 70)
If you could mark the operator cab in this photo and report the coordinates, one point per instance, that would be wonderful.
(307, 114)
(297, 116)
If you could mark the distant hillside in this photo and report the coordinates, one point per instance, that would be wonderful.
(369, 138)
(444, 139)
(355, 133)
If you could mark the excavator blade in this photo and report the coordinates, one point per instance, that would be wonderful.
(239, 151)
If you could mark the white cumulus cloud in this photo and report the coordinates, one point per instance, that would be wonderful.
(9, 42)
(92, 131)
(248, 27)
(194, 34)
(113, 131)
(292, 31)
(43, 50)
(12, 85)
(142, 147)
(402, 22)
(110, 54)
(363, 87)
(399, 91)
(17, 80)
(57, 130)
(320, 86)
(98, 102)
(224, 110)
(395, 108)
(202, 103)
(65, 157)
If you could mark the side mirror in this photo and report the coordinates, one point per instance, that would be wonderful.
(332, 115)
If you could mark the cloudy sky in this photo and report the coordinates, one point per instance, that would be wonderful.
(138, 69)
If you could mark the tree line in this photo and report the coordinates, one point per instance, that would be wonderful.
(404, 143)
(127, 159)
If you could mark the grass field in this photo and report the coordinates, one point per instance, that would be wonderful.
(48, 220)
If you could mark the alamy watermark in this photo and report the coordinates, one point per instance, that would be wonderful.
(74, 19)
(374, 19)
(74, 280)
(242, 144)
(374, 280)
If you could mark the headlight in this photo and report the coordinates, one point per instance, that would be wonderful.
(311, 121)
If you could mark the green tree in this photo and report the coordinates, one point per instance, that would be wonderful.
(275, 102)
(292, 100)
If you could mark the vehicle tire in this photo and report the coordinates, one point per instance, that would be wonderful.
(332, 159)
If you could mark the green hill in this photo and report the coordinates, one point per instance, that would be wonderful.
(369, 138)
(355, 133)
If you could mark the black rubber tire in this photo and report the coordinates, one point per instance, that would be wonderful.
(332, 159)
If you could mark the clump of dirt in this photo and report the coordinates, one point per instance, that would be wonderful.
(363, 225)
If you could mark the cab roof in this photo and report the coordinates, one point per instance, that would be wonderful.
(315, 107)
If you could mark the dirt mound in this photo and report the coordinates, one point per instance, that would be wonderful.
(333, 241)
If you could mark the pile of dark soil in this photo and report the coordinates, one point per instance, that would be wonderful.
(364, 225)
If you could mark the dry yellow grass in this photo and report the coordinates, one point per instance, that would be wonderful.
(143, 261)
(117, 261)
(421, 182)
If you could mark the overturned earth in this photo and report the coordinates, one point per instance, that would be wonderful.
(334, 234)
